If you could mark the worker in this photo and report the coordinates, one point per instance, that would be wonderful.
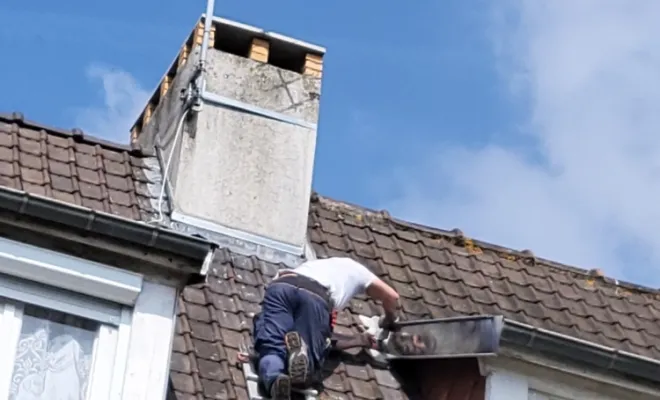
(292, 333)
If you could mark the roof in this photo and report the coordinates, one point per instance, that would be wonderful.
(76, 168)
(215, 319)
(438, 273)
(444, 273)
(115, 188)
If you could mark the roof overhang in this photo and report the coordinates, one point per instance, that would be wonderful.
(483, 336)
(150, 238)
(579, 352)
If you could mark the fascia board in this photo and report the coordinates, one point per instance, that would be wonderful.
(68, 272)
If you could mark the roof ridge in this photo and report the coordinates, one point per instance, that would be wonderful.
(457, 235)
(77, 134)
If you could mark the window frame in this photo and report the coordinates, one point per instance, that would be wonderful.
(112, 336)
(139, 309)
(72, 285)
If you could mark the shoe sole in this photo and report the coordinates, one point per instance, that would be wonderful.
(281, 389)
(297, 359)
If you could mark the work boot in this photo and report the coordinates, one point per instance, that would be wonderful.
(281, 388)
(298, 360)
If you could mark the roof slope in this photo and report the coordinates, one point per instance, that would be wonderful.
(441, 273)
(438, 273)
(215, 318)
(77, 169)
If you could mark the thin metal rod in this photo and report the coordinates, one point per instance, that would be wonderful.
(208, 23)
(440, 356)
(219, 100)
(449, 319)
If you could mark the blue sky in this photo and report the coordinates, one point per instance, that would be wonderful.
(528, 124)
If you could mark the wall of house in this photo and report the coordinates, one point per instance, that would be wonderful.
(239, 164)
(135, 312)
(447, 379)
(530, 377)
(148, 362)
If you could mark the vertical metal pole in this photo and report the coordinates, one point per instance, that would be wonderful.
(208, 23)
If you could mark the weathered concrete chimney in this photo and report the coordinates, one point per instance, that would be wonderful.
(242, 159)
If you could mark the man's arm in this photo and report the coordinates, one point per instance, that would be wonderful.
(379, 290)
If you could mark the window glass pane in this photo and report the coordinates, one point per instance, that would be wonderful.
(53, 357)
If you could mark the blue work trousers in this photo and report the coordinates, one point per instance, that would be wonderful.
(286, 308)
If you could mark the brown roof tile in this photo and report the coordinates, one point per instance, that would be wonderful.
(77, 169)
(452, 274)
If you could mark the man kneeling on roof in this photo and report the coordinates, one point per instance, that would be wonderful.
(293, 330)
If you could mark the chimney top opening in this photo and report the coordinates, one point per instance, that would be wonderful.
(234, 41)
(287, 56)
(280, 51)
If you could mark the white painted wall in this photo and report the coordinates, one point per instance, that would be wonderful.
(61, 270)
(506, 385)
(148, 362)
(534, 378)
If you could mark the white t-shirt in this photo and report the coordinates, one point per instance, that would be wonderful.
(344, 277)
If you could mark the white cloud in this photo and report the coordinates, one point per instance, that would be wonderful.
(588, 71)
(123, 101)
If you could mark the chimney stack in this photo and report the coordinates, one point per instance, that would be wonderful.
(242, 158)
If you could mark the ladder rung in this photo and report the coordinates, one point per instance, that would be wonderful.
(253, 386)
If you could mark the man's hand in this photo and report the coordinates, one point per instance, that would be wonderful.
(388, 322)
(367, 339)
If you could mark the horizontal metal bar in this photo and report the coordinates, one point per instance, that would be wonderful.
(219, 100)
(238, 234)
(439, 357)
(449, 319)
(253, 386)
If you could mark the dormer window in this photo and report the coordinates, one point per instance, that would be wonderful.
(52, 354)
(59, 344)
(71, 328)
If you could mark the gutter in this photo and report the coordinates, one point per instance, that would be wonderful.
(582, 352)
(74, 216)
